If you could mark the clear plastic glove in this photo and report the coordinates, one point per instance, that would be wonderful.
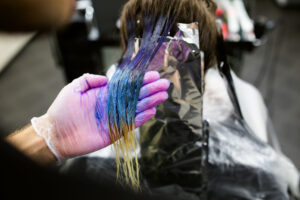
(69, 127)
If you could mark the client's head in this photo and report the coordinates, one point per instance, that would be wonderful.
(184, 11)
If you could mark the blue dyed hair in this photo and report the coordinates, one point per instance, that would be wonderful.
(150, 21)
(124, 88)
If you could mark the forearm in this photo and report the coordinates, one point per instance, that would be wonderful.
(32, 145)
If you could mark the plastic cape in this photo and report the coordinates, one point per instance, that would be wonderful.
(175, 158)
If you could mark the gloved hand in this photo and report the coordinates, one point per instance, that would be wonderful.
(69, 127)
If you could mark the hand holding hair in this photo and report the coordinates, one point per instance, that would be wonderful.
(69, 127)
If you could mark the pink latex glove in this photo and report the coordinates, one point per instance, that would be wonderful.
(69, 127)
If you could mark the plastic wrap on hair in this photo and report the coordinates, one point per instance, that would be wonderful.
(173, 146)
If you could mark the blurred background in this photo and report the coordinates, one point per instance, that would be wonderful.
(262, 42)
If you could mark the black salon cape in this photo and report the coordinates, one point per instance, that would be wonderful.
(21, 177)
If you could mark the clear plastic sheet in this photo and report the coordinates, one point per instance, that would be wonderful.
(172, 144)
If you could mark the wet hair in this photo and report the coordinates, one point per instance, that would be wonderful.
(152, 21)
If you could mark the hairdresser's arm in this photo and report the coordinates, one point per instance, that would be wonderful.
(28, 15)
(32, 145)
(71, 127)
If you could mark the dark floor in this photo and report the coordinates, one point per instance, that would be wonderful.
(31, 82)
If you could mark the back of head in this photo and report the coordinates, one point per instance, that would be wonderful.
(152, 21)
(184, 11)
